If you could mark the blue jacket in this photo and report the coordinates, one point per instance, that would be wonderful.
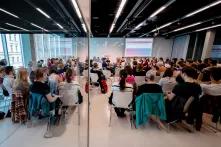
(38, 103)
(149, 104)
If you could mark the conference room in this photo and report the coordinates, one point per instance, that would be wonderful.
(94, 73)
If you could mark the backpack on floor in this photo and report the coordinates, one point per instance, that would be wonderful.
(2, 115)
(104, 87)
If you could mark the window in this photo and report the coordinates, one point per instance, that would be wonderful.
(13, 60)
(11, 48)
(14, 50)
(10, 38)
(14, 37)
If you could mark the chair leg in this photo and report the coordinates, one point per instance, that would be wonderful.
(79, 115)
(110, 116)
(131, 119)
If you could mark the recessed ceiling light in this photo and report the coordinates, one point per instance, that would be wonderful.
(206, 28)
(203, 8)
(122, 4)
(4, 29)
(59, 26)
(188, 26)
(162, 8)
(39, 27)
(16, 26)
(42, 12)
(3, 10)
(77, 9)
(84, 27)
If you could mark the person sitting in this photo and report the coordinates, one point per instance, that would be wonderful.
(130, 77)
(8, 80)
(72, 86)
(139, 70)
(180, 94)
(19, 106)
(150, 88)
(153, 71)
(168, 81)
(122, 85)
(40, 87)
(214, 88)
(53, 80)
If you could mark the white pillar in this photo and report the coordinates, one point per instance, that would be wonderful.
(208, 44)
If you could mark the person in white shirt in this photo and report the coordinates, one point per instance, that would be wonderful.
(8, 81)
(168, 81)
(214, 88)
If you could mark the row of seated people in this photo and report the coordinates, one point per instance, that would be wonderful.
(52, 89)
(185, 88)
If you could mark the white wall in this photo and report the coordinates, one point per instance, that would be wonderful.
(107, 47)
(162, 47)
(180, 46)
(114, 47)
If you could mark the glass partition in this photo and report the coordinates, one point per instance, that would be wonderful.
(57, 57)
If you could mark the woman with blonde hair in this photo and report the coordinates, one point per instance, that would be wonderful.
(20, 96)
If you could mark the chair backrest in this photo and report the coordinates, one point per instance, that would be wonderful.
(69, 93)
(107, 74)
(39, 104)
(157, 78)
(140, 80)
(187, 104)
(122, 99)
(94, 77)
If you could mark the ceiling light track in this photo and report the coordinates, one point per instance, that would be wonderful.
(187, 15)
(78, 11)
(121, 7)
(9, 24)
(4, 29)
(130, 14)
(9, 13)
(207, 28)
(162, 8)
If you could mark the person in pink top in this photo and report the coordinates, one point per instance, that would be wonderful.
(130, 77)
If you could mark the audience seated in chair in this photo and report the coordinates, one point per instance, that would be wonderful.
(179, 96)
(149, 102)
(122, 85)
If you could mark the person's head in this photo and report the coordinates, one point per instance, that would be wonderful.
(199, 61)
(129, 70)
(189, 73)
(22, 75)
(123, 76)
(53, 70)
(213, 62)
(168, 73)
(9, 70)
(215, 74)
(39, 74)
(69, 75)
(95, 65)
(189, 62)
(179, 79)
(150, 77)
(3, 62)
